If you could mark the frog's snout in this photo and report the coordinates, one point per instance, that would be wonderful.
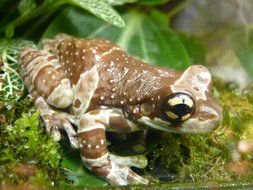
(218, 118)
(206, 122)
(216, 115)
(214, 123)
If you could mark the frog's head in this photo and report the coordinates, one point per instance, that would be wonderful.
(187, 105)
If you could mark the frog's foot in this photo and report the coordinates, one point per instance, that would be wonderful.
(122, 175)
(64, 124)
(94, 153)
(138, 161)
(47, 113)
(55, 121)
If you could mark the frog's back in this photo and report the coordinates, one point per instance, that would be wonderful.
(98, 69)
(77, 56)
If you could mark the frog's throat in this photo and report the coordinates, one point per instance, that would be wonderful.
(156, 123)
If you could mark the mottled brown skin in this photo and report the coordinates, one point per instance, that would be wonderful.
(121, 76)
(100, 87)
(92, 137)
(119, 123)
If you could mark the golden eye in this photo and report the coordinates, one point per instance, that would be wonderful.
(147, 108)
(178, 107)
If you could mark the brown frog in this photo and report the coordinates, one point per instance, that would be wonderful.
(96, 86)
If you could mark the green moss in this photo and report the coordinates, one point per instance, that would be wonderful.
(27, 154)
(22, 141)
(212, 157)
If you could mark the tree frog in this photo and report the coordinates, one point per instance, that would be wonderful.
(96, 86)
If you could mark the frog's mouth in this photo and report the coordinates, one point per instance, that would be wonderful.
(192, 125)
(195, 126)
(157, 124)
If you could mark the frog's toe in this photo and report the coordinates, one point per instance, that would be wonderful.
(131, 177)
(138, 161)
(52, 127)
(56, 135)
(68, 128)
(135, 179)
(74, 142)
(121, 175)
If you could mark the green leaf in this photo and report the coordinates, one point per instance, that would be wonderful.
(143, 36)
(159, 17)
(25, 6)
(101, 9)
(78, 174)
(194, 48)
(3, 3)
(153, 2)
(244, 51)
(10, 30)
(119, 2)
(24, 142)
(11, 83)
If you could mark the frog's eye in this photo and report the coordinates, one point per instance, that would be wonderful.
(178, 107)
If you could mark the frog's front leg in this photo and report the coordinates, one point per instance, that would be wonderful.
(48, 86)
(56, 120)
(94, 153)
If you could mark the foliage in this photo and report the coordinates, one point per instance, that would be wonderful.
(146, 37)
(23, 142)
(11, 83)
(29, 9)
(190, 158)
(119, 2)
(194, 48)
(153, 2)
(243, 49)
(26, 6)
(101, 9)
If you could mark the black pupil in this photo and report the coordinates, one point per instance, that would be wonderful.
(181, 110)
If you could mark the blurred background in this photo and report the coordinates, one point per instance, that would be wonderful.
(224, 27)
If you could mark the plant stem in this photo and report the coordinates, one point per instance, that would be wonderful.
(178, 8)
